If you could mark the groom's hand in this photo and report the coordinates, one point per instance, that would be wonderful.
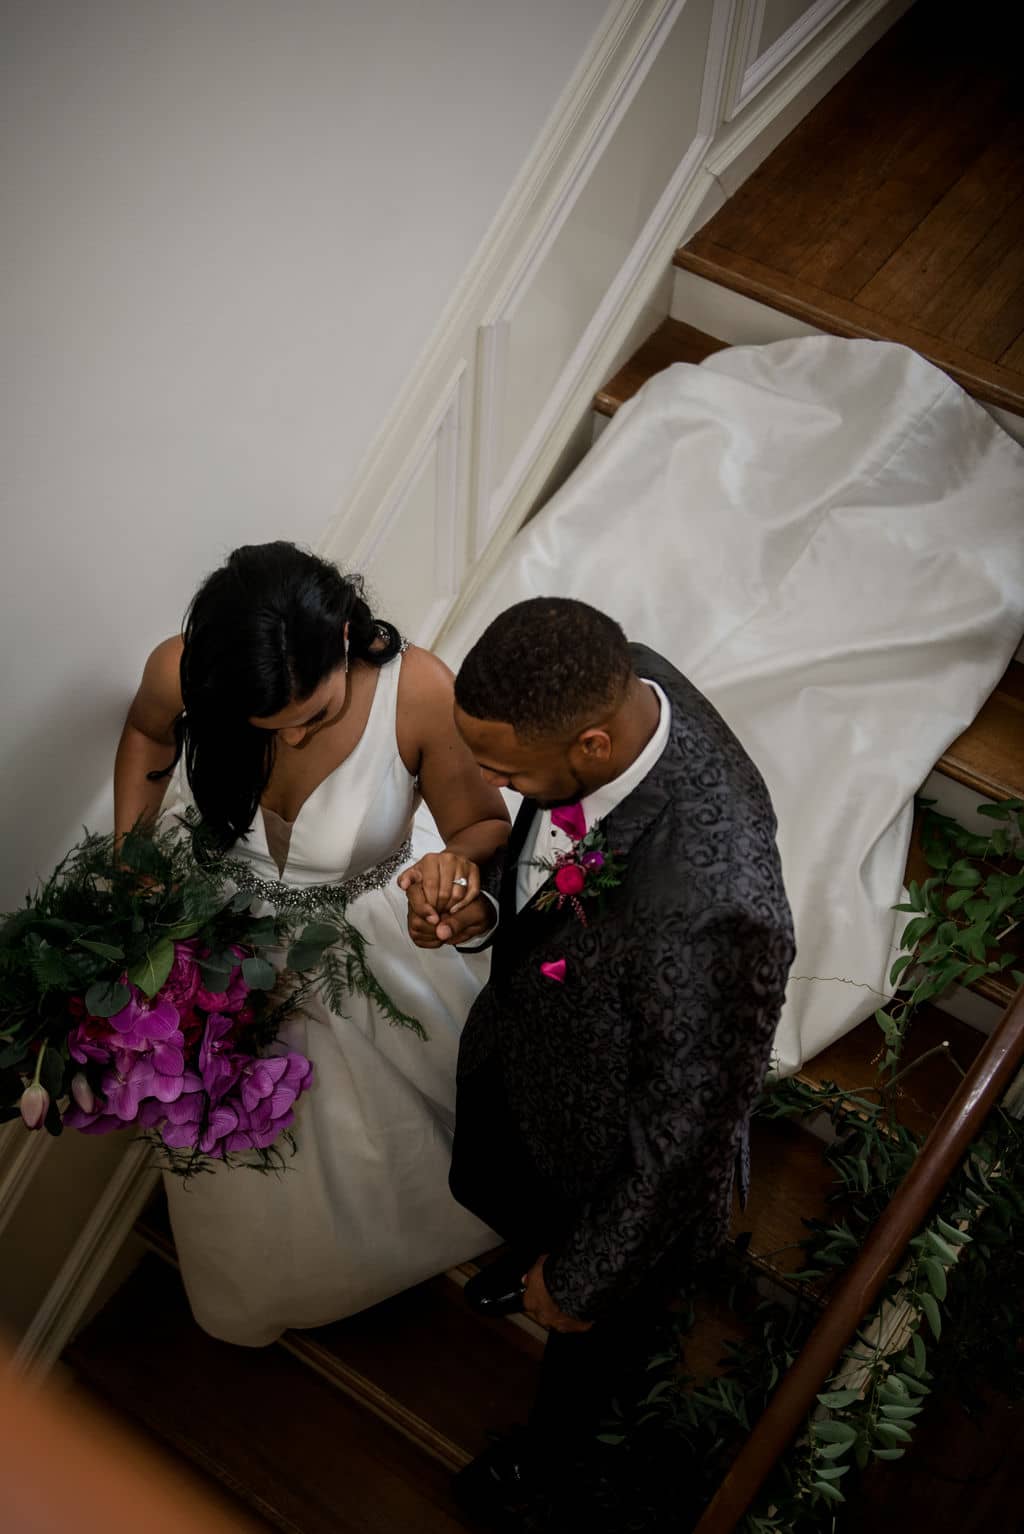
(471, 921)
(540, 1307)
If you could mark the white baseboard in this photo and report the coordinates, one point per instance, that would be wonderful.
(25, 1153)
(86, 1265)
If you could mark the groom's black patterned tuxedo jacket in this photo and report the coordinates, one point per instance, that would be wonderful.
(631, 1082)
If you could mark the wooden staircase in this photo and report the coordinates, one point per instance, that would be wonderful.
(356, 1427)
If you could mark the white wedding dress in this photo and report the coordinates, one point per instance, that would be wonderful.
(363, 1210)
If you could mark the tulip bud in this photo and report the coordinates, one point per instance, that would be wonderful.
(82, 1092)
(34, 1105)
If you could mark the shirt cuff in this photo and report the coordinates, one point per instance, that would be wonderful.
(486, 938)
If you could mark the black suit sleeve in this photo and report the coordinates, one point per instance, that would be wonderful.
(704, 1002)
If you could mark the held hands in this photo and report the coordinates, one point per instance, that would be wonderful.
(540, 1307)
(442, 910)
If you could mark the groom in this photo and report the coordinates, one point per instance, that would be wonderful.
(641, 941)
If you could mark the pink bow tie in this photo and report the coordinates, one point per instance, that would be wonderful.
(570, 819)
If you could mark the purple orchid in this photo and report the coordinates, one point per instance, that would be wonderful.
(85, 1044)
(127, 1083)
(184, 979)
(138, 1026)
(219, 1065)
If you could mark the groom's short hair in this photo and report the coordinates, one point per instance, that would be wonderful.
(546, 667)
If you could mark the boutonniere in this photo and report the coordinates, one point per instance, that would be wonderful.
(585, 872)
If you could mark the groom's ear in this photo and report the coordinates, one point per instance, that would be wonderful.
(595, 745)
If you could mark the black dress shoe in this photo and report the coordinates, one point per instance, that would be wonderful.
(498, 1289)
(502, 1485)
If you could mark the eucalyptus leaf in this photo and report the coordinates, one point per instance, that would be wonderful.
(935, 1273)
(304, 956)
(106, 998)
(834, 1432)
(931, 1310)
(259, 974)
(321, 933)
(892, 1433)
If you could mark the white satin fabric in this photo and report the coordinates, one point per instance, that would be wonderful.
(827, 537)
(363, 1210)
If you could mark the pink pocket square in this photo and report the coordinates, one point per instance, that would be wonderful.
(554, 970)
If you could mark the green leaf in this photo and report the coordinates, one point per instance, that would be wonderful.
(957, 901)
(259, 974)
(891, 1432)
(320, 933)
(106, 998)
(996, 811)
(963, 875)
(831, 1472)
(831, 1493)
(899, 967)
(304, 956)
(931, 1310)
(917, 1347)
(895, 1413)
(611, 1438)
(152, 970)
(833, 1450)
(105, 950)
(951, 1232)
(939, 1246)
(936, 1276)
(836, 1398)
(888, 1453)
(834, 1432)
(915, 930)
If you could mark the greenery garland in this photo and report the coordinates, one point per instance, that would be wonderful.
(950, 1318)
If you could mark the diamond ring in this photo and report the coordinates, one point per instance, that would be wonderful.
(464, 882)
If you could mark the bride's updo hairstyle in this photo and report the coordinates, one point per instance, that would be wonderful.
(262, 632)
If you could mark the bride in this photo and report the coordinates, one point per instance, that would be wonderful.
(305, 731)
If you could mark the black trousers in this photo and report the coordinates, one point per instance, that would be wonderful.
(494, 1175)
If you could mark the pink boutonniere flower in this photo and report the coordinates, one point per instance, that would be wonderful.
(554, 970)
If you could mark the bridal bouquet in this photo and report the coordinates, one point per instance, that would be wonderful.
(136, 991)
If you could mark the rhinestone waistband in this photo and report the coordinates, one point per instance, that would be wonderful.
(311, 897)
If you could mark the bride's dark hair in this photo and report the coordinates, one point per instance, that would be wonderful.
(262, 632)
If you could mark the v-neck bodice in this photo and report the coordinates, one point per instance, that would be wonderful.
(358, 816)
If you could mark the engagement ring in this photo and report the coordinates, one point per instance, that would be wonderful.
(463, 882)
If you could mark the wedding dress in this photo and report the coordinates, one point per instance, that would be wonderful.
(363, 1209)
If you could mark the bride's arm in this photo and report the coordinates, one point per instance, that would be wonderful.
(470, 814)
(147, 740)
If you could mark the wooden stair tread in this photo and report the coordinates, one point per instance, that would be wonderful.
(852, 1062)
(489, 1374)
(790, 1182)
(895, 209)
(300, 1454)
(989, 755)
(673, 341)
(385, 1358)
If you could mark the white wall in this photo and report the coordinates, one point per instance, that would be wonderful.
(230, 228)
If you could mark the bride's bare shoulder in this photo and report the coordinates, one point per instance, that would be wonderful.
(158, 701)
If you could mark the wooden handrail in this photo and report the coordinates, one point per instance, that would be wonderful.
(961, 1120)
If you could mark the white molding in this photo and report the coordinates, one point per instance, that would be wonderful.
(86, 1265)
(443, 433)
(759, 68)
(520, 220)
(22, 1167)
(739, 148)
(497, 323)
(501, 508)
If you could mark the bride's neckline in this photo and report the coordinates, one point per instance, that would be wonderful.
(338, 766)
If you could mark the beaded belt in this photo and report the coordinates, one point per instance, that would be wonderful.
(312, 897)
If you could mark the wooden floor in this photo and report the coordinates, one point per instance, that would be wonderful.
(896, 208)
